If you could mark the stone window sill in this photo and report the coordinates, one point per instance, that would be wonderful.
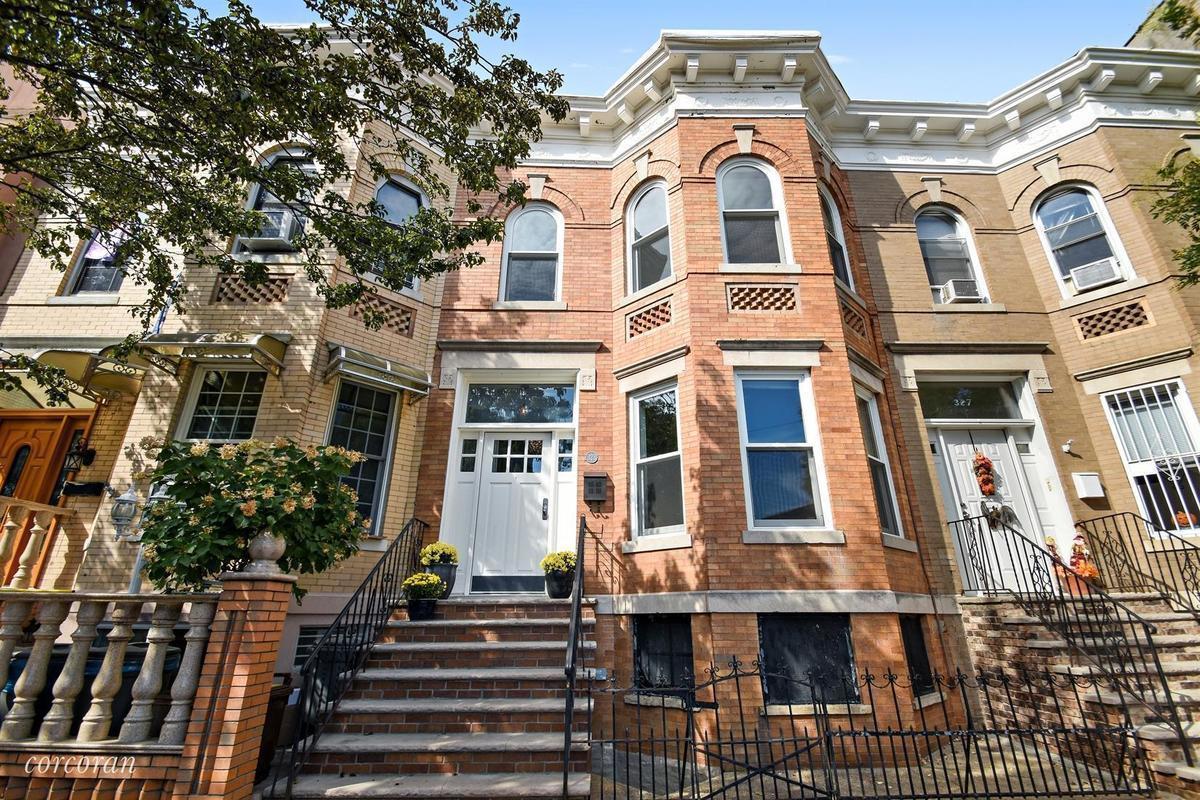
(774, 269)
(663, 541)
(654, 701)
(84, 299)
(793, 536)
(927, 700)
(529, 305)
(1100, 294)
(646, 291)
(968, 308)
(373, 544)
(809, 710)
(898, 542)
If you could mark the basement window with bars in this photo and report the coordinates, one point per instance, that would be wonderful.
(662, 654)
(916, 654)
(305, 642)
(1157, 430)
(803, 653)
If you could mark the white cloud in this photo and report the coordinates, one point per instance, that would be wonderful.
(834, 58)
(579, 66)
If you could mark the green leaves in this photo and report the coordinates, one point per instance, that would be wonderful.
(151, 119)
(1181, 203)
(218, 498)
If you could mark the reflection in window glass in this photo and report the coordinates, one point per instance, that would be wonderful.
(967, 401)
(361, 421)
(750, 216)
(520, 402)
(227, 405)
(658, 464)
(779, 456)
(650, 249)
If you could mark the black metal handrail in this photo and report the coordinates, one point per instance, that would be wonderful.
(999, 559)
(1136, 555)
(342, 651)
(571, 667)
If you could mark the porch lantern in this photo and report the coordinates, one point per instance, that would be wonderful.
(124, 510)
(79, 456)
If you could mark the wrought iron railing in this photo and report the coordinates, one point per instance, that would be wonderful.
(959, 735)
(1118, 642)
(571, 669)
(1134, 554)
(342, 651)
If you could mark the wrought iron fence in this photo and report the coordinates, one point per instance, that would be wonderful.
(1134, 554)
(571, 668)
(342, 651)
(1024, 735)
(998, 559)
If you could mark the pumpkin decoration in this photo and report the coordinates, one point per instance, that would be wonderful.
(985, 474)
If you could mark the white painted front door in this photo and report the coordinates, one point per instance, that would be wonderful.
(512, 528)
(1001, 557)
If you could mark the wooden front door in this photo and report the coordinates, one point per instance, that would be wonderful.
(33, 445)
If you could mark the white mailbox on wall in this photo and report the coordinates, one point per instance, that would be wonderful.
(1087, 485)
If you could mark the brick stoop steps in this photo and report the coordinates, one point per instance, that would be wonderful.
(469, 704)
(1178, 644)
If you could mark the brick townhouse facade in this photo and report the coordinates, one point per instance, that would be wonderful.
(775, 325)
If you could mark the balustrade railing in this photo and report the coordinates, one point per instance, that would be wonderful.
(1134, 554)
(25, 530)
(110, 683)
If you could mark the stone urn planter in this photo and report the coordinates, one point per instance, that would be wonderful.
(265, 551)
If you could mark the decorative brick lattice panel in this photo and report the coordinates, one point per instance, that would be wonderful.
(750, 297)
(1112, 320)
(396, 317)
(234, 289)
(650, 318)
(853, 320)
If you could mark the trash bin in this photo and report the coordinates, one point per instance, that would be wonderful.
(281, 688)
(134, 655)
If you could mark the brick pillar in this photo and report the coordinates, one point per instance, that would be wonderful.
(221, 749)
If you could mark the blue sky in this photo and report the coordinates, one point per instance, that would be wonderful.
(932, 50)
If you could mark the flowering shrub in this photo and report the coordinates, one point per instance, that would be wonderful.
(560, 562)
(439, 553)
(217, 498)
(423, 585)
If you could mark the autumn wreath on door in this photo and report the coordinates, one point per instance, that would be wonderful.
(985, 474)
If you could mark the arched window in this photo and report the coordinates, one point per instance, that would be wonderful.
(649, 238)
(750, 213)
(836, 240)
(283, 224)
(399, 203)
(949, 261)
(1079, 239)
(97, 270)
(533, 244)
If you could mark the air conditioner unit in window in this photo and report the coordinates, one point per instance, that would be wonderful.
(276, 235)
(1096, 274)
(960, 290)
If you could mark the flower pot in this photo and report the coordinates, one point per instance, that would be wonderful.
(1074, 585)
(559, 584)
(420, 608)
(446, 572)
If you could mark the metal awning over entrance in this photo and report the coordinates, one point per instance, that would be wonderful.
(93, 374)
(376, 370)
(168, 350)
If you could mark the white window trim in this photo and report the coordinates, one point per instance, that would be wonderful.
(808, 410)
(284, 150)
(972, 252)
(677, 532)
(630, 207)
(781, 225)
(193, 396)
(835, 219)
(881, 442)
(413, 291)
(502, 295)
(1110, 231)
(1142, 468)
(385, 473)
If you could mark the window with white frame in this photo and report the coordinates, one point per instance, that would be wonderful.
(400, 202)
(948, 255)
(97, 270)
(750, 213)
(1079, 239)
(649, 238)
(533, 254)
(835, 239)
(1160, 443)
(363, 421)
(224, 404)
(781, 460)
(877, 461)
(657, 462)
(283, 224)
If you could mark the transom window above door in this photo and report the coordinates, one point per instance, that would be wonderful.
(533, 253)
(520, 402)
(954, 400)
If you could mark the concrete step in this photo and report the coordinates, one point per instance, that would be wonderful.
(447, 743)
(450, 655)
(473, 682)
(457, 715)
(1169, 668)
(460, 705)
(1135, 638)
(481, 630)
(502, 607)
(1162, 732)
(479, 786)
(446, 753)
(1179, 769)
